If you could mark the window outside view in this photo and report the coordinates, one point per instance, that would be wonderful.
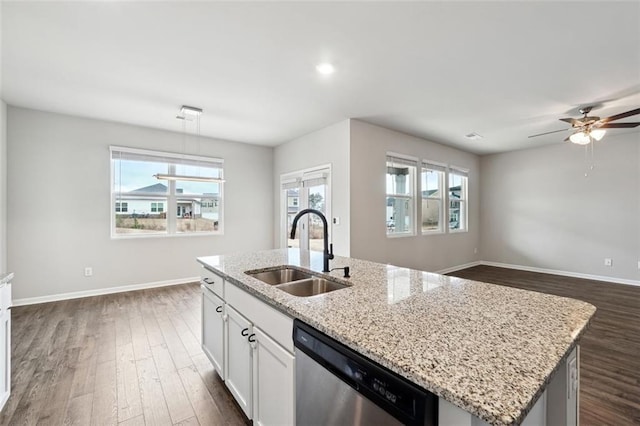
(144, 205)
(431, 184)
(457, 202)
(399, 182)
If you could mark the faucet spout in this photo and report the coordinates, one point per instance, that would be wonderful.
(328, 248)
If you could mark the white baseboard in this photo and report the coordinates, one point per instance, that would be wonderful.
(458, 267)
(100, 291)
(547, 271)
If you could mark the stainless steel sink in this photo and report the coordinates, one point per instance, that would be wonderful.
(297, 282)
(280, 275)
(310, 287)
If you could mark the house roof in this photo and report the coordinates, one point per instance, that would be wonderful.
(158, 188)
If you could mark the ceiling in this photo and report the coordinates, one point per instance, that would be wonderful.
(437, 70)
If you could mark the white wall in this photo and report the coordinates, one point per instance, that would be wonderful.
(325, 146)
(59, 205)
(539, 210)
(369, 146)
(3, 167)
(3, 187)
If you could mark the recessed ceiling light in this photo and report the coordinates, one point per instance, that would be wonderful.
(325, 68)
(473, 136)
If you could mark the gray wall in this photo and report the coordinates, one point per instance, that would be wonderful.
(539, 210)
(329, 145)
(59, 205)
(369, 146)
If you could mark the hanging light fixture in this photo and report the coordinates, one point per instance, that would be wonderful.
(188, 113)
(585, 137)
(580, 138)
(597, 134)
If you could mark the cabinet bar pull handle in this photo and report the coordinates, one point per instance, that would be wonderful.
(219, 309)
(245, 332)
(252, 338)
(206, 280)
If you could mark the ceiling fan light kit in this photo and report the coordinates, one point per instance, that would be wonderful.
(590, 128)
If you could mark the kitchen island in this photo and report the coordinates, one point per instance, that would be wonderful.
(487, 349)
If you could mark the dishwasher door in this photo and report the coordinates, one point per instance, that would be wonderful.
(337, 386)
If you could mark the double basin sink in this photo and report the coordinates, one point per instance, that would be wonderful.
(296, 281)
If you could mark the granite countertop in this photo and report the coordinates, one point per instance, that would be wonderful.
(5, 277)
(489, 349)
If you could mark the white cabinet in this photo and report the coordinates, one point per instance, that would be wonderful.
(5, 339)
(273, 382)
(250, 345)
(213, 334)
(239, 359)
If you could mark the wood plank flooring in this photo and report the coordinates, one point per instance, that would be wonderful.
(610, 349)
(123, 359)
(135, 359)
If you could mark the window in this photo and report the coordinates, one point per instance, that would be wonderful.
(310, 188)
(432, 188)
(157, 207)
(143, 203)
(457, 199)
(400, 204)
(122, 207)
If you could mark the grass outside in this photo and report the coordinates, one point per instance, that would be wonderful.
(155, 225)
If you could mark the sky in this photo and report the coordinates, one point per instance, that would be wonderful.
(139, 174)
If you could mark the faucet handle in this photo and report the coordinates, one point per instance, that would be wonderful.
(331, 251)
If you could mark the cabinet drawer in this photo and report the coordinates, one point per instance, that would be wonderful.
(213, 282)
(273, 322)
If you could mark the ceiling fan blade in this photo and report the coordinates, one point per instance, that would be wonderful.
(548, 133)
(619, 125)
(621, 115)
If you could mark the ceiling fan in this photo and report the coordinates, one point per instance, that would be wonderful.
(590, 128)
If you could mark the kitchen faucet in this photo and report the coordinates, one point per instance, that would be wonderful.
(328, 248)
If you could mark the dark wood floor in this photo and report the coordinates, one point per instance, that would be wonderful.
(129, 358)
(610, 349)
(134, 358)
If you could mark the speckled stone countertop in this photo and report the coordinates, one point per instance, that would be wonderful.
(5, 277)
(489, 349)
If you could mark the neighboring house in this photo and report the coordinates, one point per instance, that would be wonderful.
(148, 205)
(293, 201)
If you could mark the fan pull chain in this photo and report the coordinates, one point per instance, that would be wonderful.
(588, 159)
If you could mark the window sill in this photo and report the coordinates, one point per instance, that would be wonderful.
(145, 236)
(401, 235)
(458, 231)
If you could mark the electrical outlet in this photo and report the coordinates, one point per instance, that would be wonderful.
(475, 250)
(638, 264)
(608, 262)
(88, 271)
(336, 220)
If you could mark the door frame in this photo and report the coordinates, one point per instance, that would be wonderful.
(298, 176)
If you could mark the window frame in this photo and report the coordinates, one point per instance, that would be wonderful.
(171, 197)
(302, 179)
(410, 162)
(443, 188)
(464, 199)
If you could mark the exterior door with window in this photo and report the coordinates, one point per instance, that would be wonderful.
(302, 190)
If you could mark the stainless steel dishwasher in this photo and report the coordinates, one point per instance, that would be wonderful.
(337, 386)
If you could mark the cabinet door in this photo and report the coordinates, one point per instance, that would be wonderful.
(273, 382)
(238, 356)
(213, 329)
